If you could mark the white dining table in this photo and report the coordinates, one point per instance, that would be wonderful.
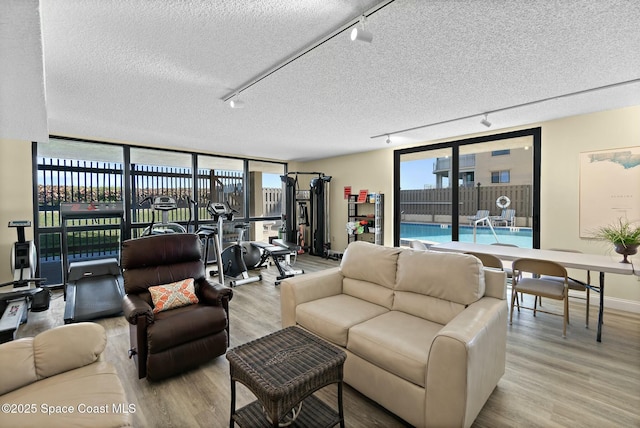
(594, 262)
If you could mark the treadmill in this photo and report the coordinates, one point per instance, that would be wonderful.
(93, 289)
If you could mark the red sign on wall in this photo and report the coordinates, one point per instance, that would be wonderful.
(347, 192)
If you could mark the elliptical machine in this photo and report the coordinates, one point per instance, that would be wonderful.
(24, 293)
(233, 257)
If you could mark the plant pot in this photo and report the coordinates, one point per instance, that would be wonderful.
(629, 250)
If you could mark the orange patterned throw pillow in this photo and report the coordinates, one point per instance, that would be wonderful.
(174, 295)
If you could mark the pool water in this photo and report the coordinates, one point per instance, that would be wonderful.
(520, 236)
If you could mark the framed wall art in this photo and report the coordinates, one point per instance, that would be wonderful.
(609, 188)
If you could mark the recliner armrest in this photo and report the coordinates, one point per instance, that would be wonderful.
(214, 293)
(133, 307)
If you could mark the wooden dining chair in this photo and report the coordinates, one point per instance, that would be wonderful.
(540, 287)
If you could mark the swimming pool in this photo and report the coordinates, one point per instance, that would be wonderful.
(520, 236)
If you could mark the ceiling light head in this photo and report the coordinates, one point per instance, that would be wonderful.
(360, 33)
(236, 102)
(388, 139)
(485, 122)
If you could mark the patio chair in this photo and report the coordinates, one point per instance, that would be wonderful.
(508, 217)
(479, 215)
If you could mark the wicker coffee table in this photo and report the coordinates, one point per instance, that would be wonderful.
(282, 370)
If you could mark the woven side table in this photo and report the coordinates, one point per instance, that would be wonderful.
(283, 369)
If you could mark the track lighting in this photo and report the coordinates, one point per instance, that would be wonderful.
(388, 139)
(236, 102)
(361, 33)
(485, 122)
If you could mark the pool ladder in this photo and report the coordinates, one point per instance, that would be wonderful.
(484, 220)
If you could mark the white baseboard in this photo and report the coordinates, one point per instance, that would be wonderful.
(617, 304)
(632, 306)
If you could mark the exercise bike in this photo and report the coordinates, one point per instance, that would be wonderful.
(164, 204)
(233, 257)
(24, 292)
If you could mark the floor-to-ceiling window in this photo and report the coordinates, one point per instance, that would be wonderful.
(483, 190)
(73, 171)
(81, 171)
(156, 174)
(267, 206)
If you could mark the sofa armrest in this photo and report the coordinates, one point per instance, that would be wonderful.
(51, 352)
(305, 288)
(466, 361)
(214, 293)
(495, 282)
(133, 307)
(17, 368)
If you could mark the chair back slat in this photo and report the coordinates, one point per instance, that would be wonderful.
(488, 260)
(539, 267)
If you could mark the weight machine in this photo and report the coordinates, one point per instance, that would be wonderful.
(306, 216)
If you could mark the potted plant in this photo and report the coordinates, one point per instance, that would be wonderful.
(623, 234)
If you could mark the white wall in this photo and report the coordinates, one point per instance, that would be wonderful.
(16, 190)
(562, 142)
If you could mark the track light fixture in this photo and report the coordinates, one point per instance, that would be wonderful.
(236, 102)
(360, 33)
(486, 122)
(388, 139)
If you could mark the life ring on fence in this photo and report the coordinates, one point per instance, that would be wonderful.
(503, 201)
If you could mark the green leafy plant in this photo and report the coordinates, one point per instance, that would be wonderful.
(622, 232)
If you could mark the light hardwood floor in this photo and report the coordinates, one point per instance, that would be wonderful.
(549, 381)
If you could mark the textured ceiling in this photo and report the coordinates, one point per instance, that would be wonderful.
(155, 72)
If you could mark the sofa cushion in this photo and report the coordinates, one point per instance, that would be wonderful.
(430, 308)
(93, 387)
(67, 347)
(454, 277)
(369, 262)
(396, 342)
(365, 290)
(332, 317)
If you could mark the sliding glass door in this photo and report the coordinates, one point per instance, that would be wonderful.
(425, 196)
(495, 194)
(483, 190)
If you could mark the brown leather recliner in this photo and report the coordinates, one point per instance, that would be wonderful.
(170, 342)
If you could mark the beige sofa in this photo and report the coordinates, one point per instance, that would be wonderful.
(57, 379)
(425, 332)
